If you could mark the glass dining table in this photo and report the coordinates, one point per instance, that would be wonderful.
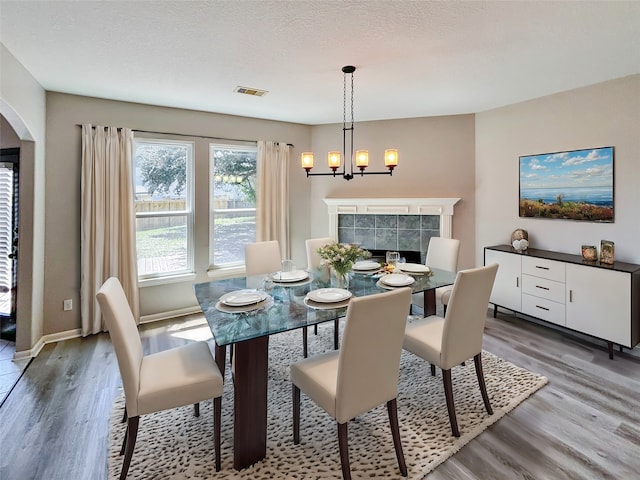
(283, 309)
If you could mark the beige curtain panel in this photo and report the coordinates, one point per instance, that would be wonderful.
(108, 233)
(272, 204)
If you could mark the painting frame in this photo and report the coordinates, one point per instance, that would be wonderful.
(568, 185)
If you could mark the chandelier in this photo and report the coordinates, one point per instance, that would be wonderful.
(360, 157)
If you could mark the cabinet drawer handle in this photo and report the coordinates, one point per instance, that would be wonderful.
(570, 295)
(543, 288)
(517, 282)
(543, 268)
(542, 308)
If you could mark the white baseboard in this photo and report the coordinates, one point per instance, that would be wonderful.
(172, 314)
(33, 352)
(77, 332)
(45, 339)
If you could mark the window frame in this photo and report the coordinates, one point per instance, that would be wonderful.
(212, 211)
(188, 213)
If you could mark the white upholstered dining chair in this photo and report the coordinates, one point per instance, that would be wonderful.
(363, 374)
(442, 253)
(312, 245)
(314, 261)
(450, 341)
(172, 378)
(262, 257)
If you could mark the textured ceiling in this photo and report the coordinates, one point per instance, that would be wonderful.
(413, 58)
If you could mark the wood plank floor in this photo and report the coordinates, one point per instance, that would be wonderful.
(585, 424)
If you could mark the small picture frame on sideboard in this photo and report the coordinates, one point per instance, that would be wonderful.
(607, 253)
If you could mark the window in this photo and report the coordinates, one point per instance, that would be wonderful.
(163, 203)
(233, 203)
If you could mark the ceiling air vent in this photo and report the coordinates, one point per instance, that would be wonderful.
(251, 91)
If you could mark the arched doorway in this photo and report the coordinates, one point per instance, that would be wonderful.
(9, 208)
(16, 134)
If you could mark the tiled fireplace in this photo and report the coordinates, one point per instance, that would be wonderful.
(402, 224)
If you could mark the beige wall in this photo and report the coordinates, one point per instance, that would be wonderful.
(607, 114)
(436, 160)
(62, 261)
(8, 136)
(22, 104)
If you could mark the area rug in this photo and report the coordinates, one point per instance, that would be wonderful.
(177, 445)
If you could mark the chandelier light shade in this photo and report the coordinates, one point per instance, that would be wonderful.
(360, 157)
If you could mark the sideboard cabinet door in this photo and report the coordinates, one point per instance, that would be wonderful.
(599, 303)
(507, 285)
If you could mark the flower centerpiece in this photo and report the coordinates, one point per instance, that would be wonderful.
(341, 257)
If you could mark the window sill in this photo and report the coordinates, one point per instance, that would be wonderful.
(221, 273)
(152, 282)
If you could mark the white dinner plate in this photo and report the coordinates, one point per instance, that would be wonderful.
(240, 298)
(413, 268)
(285, 277)
(325, 306)
(329, 295)
(267, 302)
(397, 280)
(365, 265)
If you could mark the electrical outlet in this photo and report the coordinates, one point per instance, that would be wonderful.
(67, 304)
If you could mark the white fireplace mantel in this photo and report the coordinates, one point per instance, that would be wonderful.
(393, 206)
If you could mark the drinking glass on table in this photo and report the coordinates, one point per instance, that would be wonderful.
(287, 266)
(393, 258)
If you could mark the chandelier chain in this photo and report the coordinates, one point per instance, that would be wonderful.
(351, 99)
(344, 100)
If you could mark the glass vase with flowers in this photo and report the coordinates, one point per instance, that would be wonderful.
(341, 257)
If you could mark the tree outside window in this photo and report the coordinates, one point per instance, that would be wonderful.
(233, 203)
(164, 215)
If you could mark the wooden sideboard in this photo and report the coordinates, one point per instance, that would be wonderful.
(596, 299)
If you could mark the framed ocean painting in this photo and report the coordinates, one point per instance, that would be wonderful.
(572, 185)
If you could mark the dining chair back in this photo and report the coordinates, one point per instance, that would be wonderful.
(465, 318)
(369, 358)
(450, 341)
(313, 261)
(313, 244)
(172, 378)
(363, 373)
(442, 254)
(262, 257)
(125, 339)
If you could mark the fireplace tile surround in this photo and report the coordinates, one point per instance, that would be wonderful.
(389, 232)
(402, 224)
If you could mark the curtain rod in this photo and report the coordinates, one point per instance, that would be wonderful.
(187, 135)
